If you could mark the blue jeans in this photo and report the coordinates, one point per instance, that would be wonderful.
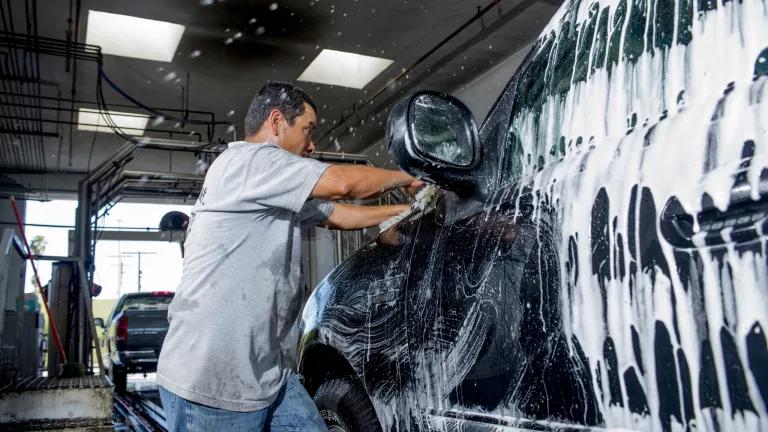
(293, 410)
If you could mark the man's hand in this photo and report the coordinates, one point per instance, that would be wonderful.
(414, 187)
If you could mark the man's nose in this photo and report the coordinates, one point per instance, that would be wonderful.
(311, 147)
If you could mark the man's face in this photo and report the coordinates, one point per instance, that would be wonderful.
(299, 137)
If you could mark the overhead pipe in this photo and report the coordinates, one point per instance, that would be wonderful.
(38, 82)
(163, 175)
(87, 102)
(65, 122)
(26, 156)
(126, 178)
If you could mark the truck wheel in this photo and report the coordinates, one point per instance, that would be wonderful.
(119, 378)
(345, 407)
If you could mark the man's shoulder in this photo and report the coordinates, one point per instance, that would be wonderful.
(266, 150)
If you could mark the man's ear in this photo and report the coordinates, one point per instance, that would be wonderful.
(274, 121)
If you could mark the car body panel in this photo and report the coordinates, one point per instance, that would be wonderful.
(611, 273)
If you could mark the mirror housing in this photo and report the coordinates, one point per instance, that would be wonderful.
(98, 322)
(434, 136)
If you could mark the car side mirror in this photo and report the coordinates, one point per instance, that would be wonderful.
(433, 136)
(98, 322)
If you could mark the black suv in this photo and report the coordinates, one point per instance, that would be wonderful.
(597, 258)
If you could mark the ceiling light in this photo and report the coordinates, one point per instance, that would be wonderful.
(128, 36)
(344, 69)
(129, 123)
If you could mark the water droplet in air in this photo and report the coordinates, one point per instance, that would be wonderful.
(260, 30)
(231, 113)
(273, 7)
(157, 120)
(228, 41)
(195, 54)
(238, 35)
(231, 129)
(170, 76)
(206, 2)
(252, 21)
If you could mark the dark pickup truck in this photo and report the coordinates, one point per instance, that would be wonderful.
(134, 334)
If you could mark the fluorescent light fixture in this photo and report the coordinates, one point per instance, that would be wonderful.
(93, 120)
(344, 69)
(128, 36)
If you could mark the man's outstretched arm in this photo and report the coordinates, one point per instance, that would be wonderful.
(350, 217)
(360, 182)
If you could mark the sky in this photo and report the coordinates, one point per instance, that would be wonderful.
(160, 267)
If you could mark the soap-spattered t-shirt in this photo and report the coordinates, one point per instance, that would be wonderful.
(228, 346)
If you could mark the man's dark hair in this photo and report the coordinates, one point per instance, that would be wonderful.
(283, 96)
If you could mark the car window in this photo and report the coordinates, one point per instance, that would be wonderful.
(570, 53)
(146, 303)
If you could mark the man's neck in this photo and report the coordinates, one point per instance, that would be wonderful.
(260, 138)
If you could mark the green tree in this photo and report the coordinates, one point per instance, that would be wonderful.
(37, 246)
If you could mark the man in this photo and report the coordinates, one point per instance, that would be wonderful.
(225, 363)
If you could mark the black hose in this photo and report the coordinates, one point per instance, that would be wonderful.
(154, 111)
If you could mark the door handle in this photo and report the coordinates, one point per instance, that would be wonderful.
(744, 220)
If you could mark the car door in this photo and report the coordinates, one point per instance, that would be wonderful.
(485, 332)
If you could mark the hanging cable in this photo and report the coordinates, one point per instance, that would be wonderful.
(149, 109)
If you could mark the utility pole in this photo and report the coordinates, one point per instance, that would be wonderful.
(119, 264)
(138, 264)
(120, 272)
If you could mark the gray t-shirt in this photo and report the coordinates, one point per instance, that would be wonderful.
(227, 345)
